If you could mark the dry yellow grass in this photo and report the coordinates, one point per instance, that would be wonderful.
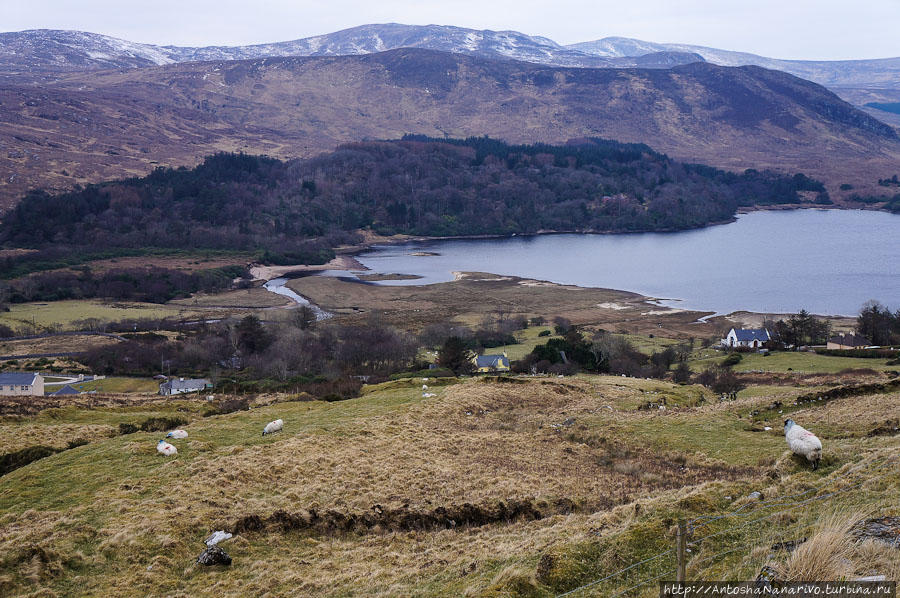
(55, 344)
(475, 295)
(253, 298)
(115, 518)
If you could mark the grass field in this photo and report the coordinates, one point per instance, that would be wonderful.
(528, 340)
(608, 480)
(36, 318)
(791, 361)
(54, 344)
(41, 316)
(253, 298)
(120, 384)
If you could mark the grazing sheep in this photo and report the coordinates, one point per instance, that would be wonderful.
(177, 434)
(165, 448)
(274, 426)
(803, 442)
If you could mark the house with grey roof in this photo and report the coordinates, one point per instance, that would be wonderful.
(753, 338)
(21, 384)
(182, 386)
(848, 341)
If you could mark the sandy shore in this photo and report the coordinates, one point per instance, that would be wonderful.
(341, 262)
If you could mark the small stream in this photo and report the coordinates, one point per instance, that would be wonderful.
(279, 286)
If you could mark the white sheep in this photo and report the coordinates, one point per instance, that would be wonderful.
(177, 434)
(274, 426)
(803, 442)
(165, 448)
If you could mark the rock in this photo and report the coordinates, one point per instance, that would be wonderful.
(767, 576)
(755, 495)
(569, 422)
(883, 529)
(214, 555)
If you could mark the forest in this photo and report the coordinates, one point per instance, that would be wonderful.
(297, 211)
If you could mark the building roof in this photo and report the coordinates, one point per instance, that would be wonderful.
(491, 361)
(851, 340)
(66, 390)
(192, 384)
(751, 334)
(17, 378)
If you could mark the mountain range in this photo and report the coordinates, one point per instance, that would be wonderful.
(58, 50)
(77, 107)
(45, 49)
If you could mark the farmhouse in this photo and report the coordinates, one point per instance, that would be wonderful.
(847, 341)
(753, 338)
(18, 384)
(491, 363)
(181, 386)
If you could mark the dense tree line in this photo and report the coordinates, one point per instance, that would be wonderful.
(878, 324)
(248, 349)
(296, 211)
(798, 330)
(151, 284)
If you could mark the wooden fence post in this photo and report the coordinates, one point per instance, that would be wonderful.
(680, 543)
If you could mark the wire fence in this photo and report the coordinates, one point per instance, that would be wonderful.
(781, 500)
(880, 465)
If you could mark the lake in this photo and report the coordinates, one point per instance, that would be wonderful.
(824, 261)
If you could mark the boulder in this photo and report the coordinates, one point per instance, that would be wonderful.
(214, 555)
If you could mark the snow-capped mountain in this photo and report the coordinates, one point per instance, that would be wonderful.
(55, 50)
(51, 51)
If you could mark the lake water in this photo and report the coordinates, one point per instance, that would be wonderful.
(824, 261)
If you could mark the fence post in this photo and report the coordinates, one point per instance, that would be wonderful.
(680, 543)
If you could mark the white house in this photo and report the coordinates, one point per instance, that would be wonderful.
(13, 384)
(181, 386)
(753, 338)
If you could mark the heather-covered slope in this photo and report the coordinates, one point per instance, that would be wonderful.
(109, 124)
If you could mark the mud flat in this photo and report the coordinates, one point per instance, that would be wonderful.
(474, 295)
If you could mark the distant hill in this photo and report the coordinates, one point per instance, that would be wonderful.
(881, 72)
(86, 127)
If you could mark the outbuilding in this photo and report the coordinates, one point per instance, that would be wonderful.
(847, 341)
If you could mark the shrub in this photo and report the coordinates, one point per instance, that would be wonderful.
(228, 406)
(733, 359)
(127, 428)
(12, 461)
(161, 424)
(861, 353)
(682, 372)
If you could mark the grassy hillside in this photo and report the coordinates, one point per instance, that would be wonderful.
(551, 482)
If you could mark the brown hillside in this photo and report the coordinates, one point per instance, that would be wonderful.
(88, 127)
